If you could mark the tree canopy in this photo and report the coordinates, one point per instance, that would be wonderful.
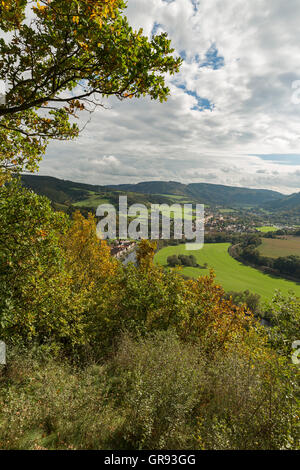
(58, 58)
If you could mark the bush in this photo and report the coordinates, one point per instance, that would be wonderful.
(252, 403)
(284, 315)
(252, 301)
(47, 404)
(173, 261)
(159, 382)
(182, 260)
(153, 393)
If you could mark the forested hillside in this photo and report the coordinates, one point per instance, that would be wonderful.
(68, 195)
(63, 191)
(289, 203)
(207, 193)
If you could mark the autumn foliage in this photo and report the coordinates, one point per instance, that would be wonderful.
(60, 281)
(150, 359)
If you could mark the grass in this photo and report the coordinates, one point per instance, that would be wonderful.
(93, 201)
(226, 211)
(181, 199)
(178, 213)
(231, 274)
(176, 197)
(276, 247)
(267, 228)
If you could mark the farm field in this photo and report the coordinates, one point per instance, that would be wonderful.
(275, 247)
(177, 198)
(227, 211)
(93, 201)
(178, 213)
(267, 228)
(231, 274)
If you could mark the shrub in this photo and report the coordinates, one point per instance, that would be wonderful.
(158, 382)
(155, 392)
(252, 403)
(251, 300)
(47, 404)
(284, 315)
(173, 261)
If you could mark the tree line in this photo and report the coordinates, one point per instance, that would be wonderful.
(283, 265)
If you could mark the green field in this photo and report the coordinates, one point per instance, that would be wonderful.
(178, 213)
(92, 201)
(177, 198)
(181, 199)
(226, 211)
(276, 247)
(231, 274)
(266, 229)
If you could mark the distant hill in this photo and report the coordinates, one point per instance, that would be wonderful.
(288, 203)
(61, 191)
(154, 187)
(206, 193)
(228, 195)
(65, 193)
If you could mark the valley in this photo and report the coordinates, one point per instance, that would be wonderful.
(231, 214)
(231, 274)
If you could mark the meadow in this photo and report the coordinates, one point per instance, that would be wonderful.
(231, 274)
(226, 211)
(267, 228)
(93, 201)
(177, 198)
(276, 247)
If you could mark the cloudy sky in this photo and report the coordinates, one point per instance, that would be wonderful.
(233, 116)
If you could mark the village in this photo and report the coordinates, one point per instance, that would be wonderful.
(217, 220)
(120, 248)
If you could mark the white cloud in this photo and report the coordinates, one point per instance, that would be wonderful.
(253, 113)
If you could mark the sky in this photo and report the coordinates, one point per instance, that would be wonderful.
(233, 116)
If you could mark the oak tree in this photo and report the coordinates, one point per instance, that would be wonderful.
(58, 58)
